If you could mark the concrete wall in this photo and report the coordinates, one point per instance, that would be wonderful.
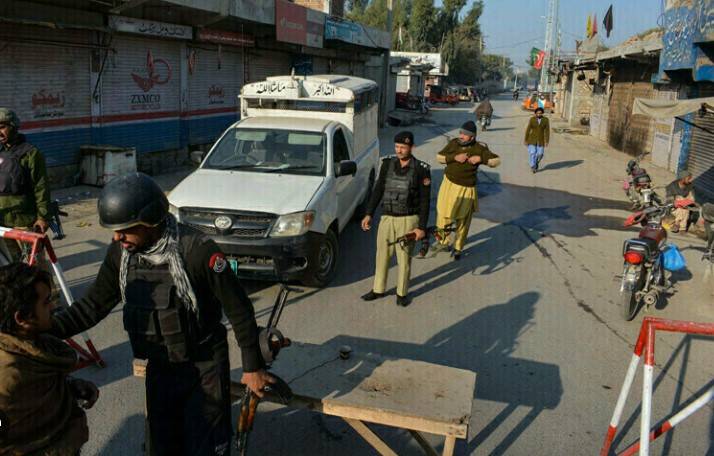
(581, 99)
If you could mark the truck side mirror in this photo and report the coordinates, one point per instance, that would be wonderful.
(197, 156)
(345, 168)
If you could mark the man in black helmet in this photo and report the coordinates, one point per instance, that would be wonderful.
(174, 283)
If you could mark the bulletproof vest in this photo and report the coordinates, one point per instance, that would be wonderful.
(398, 190)
(14, 178)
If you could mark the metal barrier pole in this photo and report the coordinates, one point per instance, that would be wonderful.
(673, 421)
(647, 391)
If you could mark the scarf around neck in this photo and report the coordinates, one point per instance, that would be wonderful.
(165, 251)
(466, 143)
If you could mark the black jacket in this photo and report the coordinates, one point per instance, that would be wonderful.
(215, 287)
(423, 188)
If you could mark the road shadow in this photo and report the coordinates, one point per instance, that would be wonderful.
(562, 165)
(483, 342)
(128, 439)
(500, 129)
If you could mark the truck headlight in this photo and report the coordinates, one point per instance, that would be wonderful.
(293, 224)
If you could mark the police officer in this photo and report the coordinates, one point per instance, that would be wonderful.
(404, 187)
(24, 186)
(175, 284)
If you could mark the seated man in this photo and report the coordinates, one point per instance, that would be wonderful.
(38, 399)
(680, 188)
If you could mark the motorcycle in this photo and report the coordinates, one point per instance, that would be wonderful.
(638, 185)
(643, 277)
(485, 122)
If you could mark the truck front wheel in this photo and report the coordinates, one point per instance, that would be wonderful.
(322, 264)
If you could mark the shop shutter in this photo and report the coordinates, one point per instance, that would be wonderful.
(49, 89)
(340, 67)
(215, 80)
(319, 65)
(262, 64)
(701, 152)
(139, 110)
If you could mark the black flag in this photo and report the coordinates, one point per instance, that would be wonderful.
(607, 21)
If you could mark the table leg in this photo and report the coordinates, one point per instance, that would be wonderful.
(428, 449)
(370, 437)
(449, 445)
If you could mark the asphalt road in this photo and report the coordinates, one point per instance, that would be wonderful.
(530, 308)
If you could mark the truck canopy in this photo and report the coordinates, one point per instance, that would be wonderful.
(349, 100)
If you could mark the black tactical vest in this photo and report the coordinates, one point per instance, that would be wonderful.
(14, 178)
(400, 190)
(159, 325)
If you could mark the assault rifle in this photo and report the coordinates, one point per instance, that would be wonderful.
(54, 221)
(271, 341)
(438, 233)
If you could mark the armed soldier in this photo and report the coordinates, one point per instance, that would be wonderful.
(24, 186)
(404, 188)
(174, 283)
(458, 199)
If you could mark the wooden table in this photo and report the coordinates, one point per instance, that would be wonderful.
(368, 388)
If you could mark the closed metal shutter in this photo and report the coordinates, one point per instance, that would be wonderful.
(262, 64)
(140, 94)
(632, 135)
(214, 83)
(701, 152)
(340, 67)
(319, 65)
(48, 87)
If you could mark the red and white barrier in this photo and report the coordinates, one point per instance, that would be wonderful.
(40, 242)
(645, 344)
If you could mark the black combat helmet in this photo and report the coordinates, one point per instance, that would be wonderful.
(131, 200)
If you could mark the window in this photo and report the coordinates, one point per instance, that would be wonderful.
(339, 147)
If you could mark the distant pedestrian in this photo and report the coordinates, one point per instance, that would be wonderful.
(537, 138)
(458, 198)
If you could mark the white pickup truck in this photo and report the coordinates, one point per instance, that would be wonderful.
(280, 185)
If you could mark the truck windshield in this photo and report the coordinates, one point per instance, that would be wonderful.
(273, 151)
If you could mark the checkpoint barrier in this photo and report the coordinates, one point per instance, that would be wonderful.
(645, 344)
(39, 243)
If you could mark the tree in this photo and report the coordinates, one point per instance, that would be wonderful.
(421, 24)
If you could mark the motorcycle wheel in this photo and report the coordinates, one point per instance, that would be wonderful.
(629, 303)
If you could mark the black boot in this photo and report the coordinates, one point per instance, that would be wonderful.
(371, 296)
(402, 301)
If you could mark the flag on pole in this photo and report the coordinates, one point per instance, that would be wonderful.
(589, 27)
(537, 57)
(607, 21)
(594, 26)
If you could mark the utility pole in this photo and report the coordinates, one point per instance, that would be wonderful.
(550, 27)
(385, 78)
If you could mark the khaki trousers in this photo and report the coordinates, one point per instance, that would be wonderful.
(391, 228)
(456, 204)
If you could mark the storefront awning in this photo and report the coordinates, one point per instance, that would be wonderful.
(667, 109)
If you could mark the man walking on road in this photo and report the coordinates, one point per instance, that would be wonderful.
(404, 188)
(458, 199)
(175, 284)
(537, 138)
(24, 186)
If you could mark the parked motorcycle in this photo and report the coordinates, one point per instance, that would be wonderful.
(638, 185)
(643, 277)
(484, 121)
